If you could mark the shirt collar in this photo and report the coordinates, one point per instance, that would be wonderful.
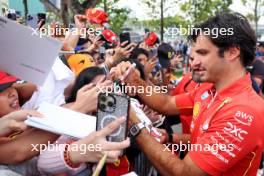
(236, 87)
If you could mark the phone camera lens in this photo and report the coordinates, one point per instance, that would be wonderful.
(103, 98)
(103, 106)
(110, 104)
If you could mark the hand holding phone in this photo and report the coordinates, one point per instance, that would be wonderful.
(111, 107)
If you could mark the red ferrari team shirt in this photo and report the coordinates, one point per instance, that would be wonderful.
(227, 127)
(184, 86)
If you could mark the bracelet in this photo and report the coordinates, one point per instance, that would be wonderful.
(67, 157)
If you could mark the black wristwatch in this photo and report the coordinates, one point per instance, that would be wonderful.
(136, 128)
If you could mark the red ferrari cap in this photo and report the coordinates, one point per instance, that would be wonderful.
(110, 36)
(96, 16)
(151, 39)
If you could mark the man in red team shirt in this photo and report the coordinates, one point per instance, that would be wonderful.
(227, 113)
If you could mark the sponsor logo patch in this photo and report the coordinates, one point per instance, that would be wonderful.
(196, 109)
(243, 118)
(236, 132)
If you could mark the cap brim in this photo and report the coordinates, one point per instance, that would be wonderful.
(5, 86)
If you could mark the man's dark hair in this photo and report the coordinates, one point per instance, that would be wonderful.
(243, 35)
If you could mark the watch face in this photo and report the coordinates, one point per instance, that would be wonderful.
(134, 130)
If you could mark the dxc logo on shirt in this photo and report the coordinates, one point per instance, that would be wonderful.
(237, 132)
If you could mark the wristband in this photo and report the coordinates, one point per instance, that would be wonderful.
(67, 157)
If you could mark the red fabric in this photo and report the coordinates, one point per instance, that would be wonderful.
(151, 39)
(110, 36)
(184, 86)
(5, 78)
(117, 169)
(96, 16)
(233, 118)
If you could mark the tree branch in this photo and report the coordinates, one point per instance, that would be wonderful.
(51, 7)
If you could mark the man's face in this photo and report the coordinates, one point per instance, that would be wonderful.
(8, 101)
(195, 77)
(207, 65)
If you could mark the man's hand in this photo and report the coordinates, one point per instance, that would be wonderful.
(151, 114)
(98, 138)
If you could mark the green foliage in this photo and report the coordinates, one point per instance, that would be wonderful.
(117, 16)
(200, 10)
(152, 8)
(175, 21)
(255, 11)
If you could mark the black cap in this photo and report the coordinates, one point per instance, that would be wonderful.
(165, 54)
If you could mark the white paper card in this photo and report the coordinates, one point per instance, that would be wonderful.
(25, 54)
(63, 121)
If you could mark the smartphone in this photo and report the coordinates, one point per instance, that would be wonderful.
(32, 21)
(125, 36)
(111, 107)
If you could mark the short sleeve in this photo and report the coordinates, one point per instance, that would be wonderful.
(185, 103)
(230, 137)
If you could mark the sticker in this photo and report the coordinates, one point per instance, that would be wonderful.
(205, 95)
(196, 109)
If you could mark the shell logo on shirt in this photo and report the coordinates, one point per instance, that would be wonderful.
(196, 109)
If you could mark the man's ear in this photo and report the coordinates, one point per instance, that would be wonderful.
(232, 53)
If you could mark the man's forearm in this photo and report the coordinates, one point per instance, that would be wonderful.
(164, 161)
